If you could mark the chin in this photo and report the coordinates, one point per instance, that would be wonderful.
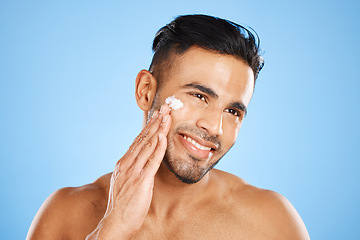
(188, 165)
(188, 171)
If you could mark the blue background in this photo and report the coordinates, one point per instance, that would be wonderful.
(68, 113)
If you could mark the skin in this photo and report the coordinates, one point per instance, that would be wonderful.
(143, 199)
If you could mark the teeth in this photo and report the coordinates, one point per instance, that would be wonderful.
(199, 146)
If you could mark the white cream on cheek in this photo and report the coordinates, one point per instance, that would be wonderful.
(174, 103)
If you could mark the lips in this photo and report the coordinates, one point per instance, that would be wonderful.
(197, 147)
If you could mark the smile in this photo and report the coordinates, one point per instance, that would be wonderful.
(198, 145)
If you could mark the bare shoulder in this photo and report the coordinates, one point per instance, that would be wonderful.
(71, 212)
(264, 209)
(279, 214)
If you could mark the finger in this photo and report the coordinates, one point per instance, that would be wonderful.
(156, 158)
(125, 162)
(150, 129)
(149, 147)
(145, 136)
(145, 130)
(154, 161)
(143, 156)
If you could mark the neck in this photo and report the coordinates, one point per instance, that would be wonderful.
(170, 194)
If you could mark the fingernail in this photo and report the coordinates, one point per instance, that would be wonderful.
(154, 115)
(162, 109)
(165, 118)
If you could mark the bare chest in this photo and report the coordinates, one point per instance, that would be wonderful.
(218, 225)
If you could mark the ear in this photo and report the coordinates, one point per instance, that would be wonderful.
(145, 89)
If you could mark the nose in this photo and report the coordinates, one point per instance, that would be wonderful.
(211, 122)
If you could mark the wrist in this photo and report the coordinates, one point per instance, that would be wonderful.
(108, 228)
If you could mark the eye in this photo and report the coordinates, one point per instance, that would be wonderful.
(234, 112)
(199, 96)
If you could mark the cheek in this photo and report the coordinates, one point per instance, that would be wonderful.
(188, 113)
(231, 128)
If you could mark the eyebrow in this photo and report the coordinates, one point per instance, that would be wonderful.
(239, 106)
(203, 89)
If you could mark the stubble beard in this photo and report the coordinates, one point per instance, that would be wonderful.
(186, 171)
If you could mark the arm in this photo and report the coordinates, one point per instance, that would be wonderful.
(130, 193)
(132, 182)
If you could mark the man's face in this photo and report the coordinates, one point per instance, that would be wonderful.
(215, 90)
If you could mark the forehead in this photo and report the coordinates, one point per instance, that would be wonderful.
(230, 77)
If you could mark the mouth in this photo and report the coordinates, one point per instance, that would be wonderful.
(197, 147)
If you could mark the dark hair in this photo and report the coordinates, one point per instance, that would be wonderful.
(210, 33)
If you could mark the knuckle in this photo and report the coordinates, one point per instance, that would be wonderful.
(146, 137)
(148, 144)
(138, 138)
(151, 158)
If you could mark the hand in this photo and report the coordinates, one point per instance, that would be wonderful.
(132, 181)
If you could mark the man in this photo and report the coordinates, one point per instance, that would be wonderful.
(162, 188)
